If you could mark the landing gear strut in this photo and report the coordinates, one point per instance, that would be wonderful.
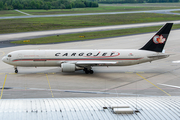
(87, 71)
(16, 70)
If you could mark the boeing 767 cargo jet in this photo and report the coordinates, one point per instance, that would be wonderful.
(84, 59)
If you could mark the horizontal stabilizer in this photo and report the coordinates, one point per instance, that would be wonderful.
(159, 56)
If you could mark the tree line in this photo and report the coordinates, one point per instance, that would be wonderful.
(133, 1)
(45, 4)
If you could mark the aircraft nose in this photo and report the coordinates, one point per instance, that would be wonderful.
(4, 59)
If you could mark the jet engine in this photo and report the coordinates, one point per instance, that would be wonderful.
(67, 67)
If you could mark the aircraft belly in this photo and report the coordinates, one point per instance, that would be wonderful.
(36, 63)
(23, 63)
(90, 63)
(129, 62)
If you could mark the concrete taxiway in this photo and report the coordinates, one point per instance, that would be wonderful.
(138, 80)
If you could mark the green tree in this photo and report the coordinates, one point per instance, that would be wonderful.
(62, 6)
(41, 4)
(68, 6)
(33, 4)
(5, 6)
(55, 4)
(72, 4)
(94, 4)
(79, 5)
(8, 2)
(1, 5)
(45, 6)
(49, 5)
(21, 6)
(87, 3)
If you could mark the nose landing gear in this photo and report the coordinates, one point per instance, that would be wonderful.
(16, 70)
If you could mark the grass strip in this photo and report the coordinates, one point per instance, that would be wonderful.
(91, 35)
(98, 9)
(175, 11)
(52, 23)
(6, 13)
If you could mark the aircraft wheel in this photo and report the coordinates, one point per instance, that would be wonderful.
(91, 71)
(87, 71)
(16, 71)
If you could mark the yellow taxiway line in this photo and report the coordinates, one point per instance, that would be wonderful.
(3, 87)
(2, 52)
(153, 84)
(49, 85)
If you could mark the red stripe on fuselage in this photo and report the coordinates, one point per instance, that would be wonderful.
(39, 60)
(71, 59)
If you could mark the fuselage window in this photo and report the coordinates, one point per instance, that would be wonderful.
(9, 55)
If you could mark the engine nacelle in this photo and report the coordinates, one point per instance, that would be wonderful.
(67, 67)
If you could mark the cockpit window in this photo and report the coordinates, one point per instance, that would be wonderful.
(9, 55)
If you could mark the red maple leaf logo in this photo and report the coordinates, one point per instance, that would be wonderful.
(159, 39)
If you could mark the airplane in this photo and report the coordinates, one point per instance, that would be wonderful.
(85, 59)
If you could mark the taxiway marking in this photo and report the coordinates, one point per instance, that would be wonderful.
(12, 73)
(153, 84)
(169, 85)
(49, 85)
(22, 12)
(3, 87)
(2, 52)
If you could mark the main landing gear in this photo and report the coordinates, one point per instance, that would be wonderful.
(16, 70)
(88, 71)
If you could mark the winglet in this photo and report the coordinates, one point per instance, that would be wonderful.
(157, 42)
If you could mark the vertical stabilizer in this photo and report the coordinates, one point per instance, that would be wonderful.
(157, 42)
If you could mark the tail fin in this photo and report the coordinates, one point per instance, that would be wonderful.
(157, 42)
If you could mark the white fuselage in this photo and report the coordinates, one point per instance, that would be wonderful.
(40, 58)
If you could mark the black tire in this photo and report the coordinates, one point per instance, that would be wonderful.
(91, 71)
(87, 71)
(16, 71)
